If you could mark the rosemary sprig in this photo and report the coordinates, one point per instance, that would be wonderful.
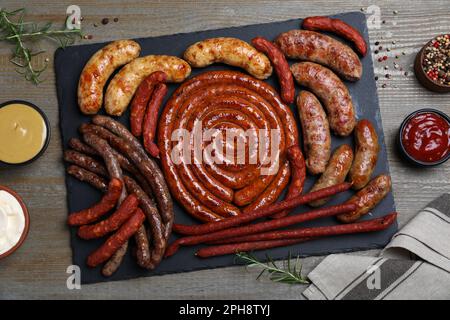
(289, 273)
(15, 30)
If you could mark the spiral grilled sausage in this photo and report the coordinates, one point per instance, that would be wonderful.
(225, 100)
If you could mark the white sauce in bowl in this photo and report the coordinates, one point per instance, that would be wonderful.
(12, 221)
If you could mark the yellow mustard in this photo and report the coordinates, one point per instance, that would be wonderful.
(22, 133)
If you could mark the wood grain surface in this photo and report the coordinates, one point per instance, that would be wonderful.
(38, 269)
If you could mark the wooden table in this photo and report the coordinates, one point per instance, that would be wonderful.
(38, 269)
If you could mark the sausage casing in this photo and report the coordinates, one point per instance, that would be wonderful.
(366, 154)
(125, 83)
(336, 171)
(99, 68)
(232, 51)
(367, 198)
(331, 91)
(313, 46)
(316, 132)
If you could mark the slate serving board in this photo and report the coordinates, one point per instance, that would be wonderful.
(68, 66)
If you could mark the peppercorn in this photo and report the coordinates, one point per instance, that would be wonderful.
(436, 63)
(105, 21)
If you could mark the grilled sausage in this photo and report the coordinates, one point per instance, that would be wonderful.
(117, 240)
(367, 198)
(89, 177)
(331, 91)
(366, 154)
(281, 67)
(124, 84)
(99, 68)
(336, 171)
(338, 27)
(141, 98)
(316, 132)
(108, 201)
(319, 48)
(232, 51)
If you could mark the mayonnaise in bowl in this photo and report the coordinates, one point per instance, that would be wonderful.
(12, 222)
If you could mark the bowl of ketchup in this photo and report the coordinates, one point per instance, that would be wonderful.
(424, 137)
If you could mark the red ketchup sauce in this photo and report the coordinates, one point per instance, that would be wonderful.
(426, 137)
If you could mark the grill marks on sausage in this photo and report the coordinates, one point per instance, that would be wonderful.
(331, 91)
(316, 47)
(339, 27)
(241, 102)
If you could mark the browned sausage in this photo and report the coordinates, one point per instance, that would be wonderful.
(314, 232)
(89, 177)
(336, 171)
(339, 27)
(151, 118)
(366, 154)
(331, 91)
(260, 213)
(259, 227)
(281, 67)
(316, 47)
(102, 228)
(157, 229)
(85, 162)
(140, 100)
(133, 149)
(108, 201)
(367, 198)
(316, 132)
(117, 240)
(298, 176)
(80, 146)
(245, 246)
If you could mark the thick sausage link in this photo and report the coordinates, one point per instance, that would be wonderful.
(338, 27)
(99, 68)
(122, 87)
(232, 51)
(316, 132)
(366, 154)
(367, 198)
(335, 173)
(331, 91)
(316, 47)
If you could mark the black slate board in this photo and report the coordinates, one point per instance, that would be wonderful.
(68, 66)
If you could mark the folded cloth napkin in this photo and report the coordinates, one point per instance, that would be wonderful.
(414, 265)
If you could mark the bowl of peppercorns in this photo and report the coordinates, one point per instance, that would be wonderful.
(432, 65)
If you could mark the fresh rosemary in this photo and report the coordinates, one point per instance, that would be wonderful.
(290, 273)
(15, 30)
